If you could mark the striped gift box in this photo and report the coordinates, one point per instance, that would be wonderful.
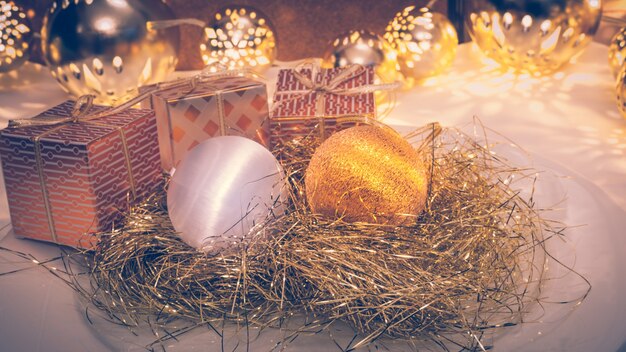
(300, 111)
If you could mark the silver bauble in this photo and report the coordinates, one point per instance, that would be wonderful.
(239, 36)
(104, 47)
(360, 47)
(15, 36)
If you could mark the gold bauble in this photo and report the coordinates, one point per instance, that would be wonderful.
(367, 174)
(15, 36)
(533, 36)
(106, 48)
(363, 48)
(425, 42)
(239, 37)
(620, 90)
(617, 51)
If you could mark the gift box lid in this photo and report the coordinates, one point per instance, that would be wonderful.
(294, 99)
(81, 132)
(208, 88)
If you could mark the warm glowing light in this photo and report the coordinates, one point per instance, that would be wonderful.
(507, 19)
(237, 39)
(550, 43)
(117, 64)
(97, 66)
(527, 21)
(533, 42)
(118, 3)
(105, 25)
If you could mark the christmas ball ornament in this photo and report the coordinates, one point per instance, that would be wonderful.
(239, 37)
(620, 90)
(617, 51)
(15, 36)
(425, 41)
(222, 189)
(105, 48)
(367, 174)
(363, 48)
(533, 36)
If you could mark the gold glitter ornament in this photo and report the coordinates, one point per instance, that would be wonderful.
(425, 41)
(363, 48)
(15, 36)
(367, 174)
(239, 37)
(617, 51)
(533, 36)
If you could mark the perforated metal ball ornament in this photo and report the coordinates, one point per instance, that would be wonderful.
(533, 36)
(425, 41)
(15, 36)
(363, 48)
(617, 51)
(105, 48)
(239, 37)
(620, 90)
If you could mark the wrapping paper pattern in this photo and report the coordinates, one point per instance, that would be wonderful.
(85, 172)
(225, 106)
(296, 106)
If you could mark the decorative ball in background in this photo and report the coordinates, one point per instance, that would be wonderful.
(363, 48)
(367, 174)
(15, 36)
(425, 41)
(239, 37)
(620, 90)
(222, 189)
(532, 36)
(617, 51)
(105, 48)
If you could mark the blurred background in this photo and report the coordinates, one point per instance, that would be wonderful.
(305, 27)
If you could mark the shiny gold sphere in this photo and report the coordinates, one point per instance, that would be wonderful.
(367, 174)
(15, 36)
(620, 90)
(425, 41)
(363, 48)
(106, 48)
(533, 36)
(617, 51)
(239, 37)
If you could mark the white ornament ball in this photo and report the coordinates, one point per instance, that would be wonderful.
(222, 190)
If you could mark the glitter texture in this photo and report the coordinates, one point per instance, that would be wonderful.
(367, 174)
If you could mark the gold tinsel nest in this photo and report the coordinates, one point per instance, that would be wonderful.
(473, 262)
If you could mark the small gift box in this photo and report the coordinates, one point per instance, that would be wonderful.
(320, 101)
(68, 177)
(198, 109)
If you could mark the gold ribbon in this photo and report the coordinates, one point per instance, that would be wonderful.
(206, 77)
(329, 87)
(80, 114)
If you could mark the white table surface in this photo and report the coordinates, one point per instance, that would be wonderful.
(567, 121)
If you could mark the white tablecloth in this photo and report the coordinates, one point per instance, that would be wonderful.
(568, 122)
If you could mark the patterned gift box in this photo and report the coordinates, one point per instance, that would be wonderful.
(188, 115)
(68, 180)
(301, 110)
